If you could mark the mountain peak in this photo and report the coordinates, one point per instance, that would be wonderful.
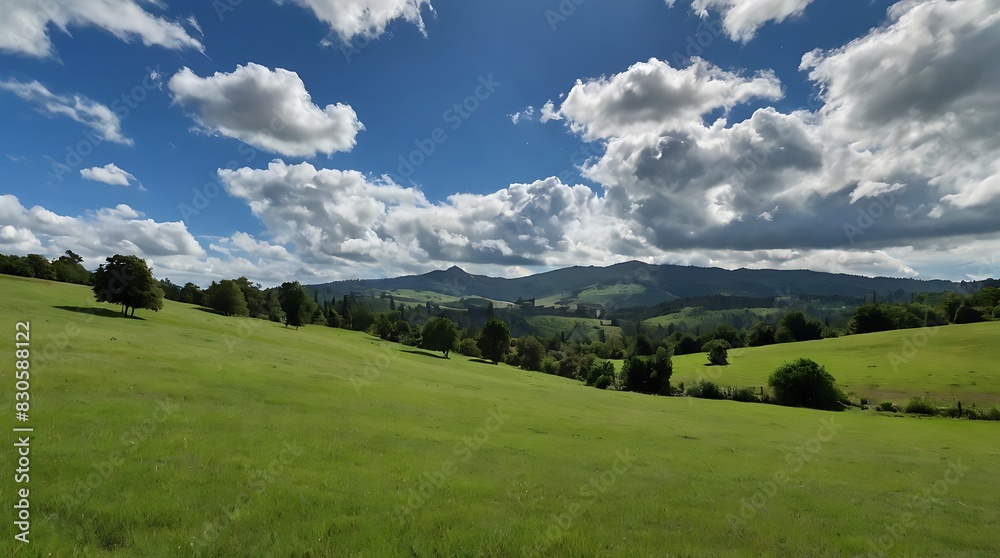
(455, 270)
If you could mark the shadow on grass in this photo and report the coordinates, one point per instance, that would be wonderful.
(208, 310)
(425, 353)
(481, 361)
(102, 312)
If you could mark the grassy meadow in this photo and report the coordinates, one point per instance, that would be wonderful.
(552, 326)
(949, 364)
(705, 320)
(183, 433)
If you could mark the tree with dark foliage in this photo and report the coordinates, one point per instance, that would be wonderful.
(718, 352)
(803, 383)
(296, 305)
(69, 269)
(494, 341)
(227, 297)
(649, 374)
(440, 334)
(128, 281)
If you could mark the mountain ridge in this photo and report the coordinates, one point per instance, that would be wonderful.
(634, 283)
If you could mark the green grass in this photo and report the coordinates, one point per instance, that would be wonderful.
(624, 295)
(552, 326)
(556, 300)
(409, 297)
(699, 319)
(619, 295)
(954, 362)
(308, 443)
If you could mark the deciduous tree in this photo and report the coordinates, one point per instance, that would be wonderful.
(494, 341)
(227, 297)
(718, 352)
(440, 334)
(296, 305)
(532, 352)
(804, 383)
(128, 281)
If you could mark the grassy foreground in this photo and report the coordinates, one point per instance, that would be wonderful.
(194, 434)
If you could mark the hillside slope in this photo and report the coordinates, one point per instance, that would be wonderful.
(187, 433)
(950, 363)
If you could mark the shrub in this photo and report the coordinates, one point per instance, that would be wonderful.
(804, 383)
(586, 362)
(411, 339)
(741, 394)
(871, 317)
(783, 335)
(968, 315)
(569, 367)
(550, 365)
(598, 370)
(648, 374)
(796, 326)
(686, 344)
(718, 352)
(886, 406)
(972, 413)
(920, 406)
(603, 381)
(975, 413)
(705, 389)
(760, 334)
(513, 359)
(469, 348)
(532, 353)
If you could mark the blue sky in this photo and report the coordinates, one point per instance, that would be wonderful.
(366, 138)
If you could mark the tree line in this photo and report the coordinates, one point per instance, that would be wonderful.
(67, 268)
(127, 280)
(929, 309)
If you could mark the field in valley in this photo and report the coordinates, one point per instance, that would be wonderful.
(183, 432)
(949, 364)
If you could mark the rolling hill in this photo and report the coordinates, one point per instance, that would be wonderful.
(636, 284)
(949, 363)
(186, 433)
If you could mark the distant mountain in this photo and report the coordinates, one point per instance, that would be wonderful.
(634, 284)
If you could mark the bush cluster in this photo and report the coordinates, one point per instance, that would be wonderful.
(707, 389)
(803, 383)
(920, 406)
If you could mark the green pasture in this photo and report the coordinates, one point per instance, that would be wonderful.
(182, 433)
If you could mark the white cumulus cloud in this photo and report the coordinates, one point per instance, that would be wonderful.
(268, 109)
(901, 150)
(742, 18)
(25, 25)
(653, 96)
(100, 233)
(918, 97)
(336, 216)
(365, 18)
(108, 174)
(90, 113)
